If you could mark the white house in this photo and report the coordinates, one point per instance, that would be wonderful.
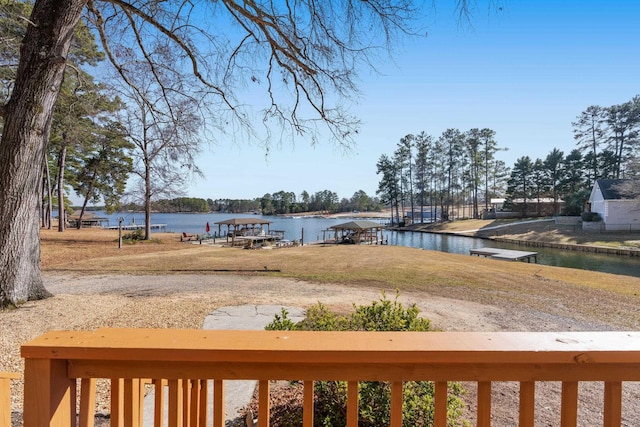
(617, 201)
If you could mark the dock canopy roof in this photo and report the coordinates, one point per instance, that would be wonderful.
(357, 225)
(243, 221)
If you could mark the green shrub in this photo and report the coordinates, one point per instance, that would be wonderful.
(134, 236)
(374, 397)
(591, 217)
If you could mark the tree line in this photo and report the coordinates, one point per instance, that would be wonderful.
(278, 203)
(607, 147)
(456, 169)
(457, 174)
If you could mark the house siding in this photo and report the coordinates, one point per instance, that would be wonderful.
(618, 214)
(622, 215)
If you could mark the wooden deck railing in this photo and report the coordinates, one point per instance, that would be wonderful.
(5, 397)
(186, 359)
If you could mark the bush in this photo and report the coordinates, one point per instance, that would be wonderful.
(134, 236)
(591, 217)
(574, 203)
(374, 397)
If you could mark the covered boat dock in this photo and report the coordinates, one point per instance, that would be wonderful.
(357, 232)
(248, 231)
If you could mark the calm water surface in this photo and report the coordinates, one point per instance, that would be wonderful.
(310, 229)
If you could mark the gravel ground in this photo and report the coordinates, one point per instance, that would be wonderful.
(84, 302)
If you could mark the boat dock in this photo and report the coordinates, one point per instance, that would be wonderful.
(137, 227)
(505, 254)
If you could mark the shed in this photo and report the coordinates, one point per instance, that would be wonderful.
(617, 201)
(358, 232)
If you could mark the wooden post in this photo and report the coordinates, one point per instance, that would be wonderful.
(5, 397)
(120, 232)
(47, 389)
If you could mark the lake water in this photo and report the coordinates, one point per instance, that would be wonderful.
(310, 229)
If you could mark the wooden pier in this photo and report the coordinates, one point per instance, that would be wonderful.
(505, 254)
(137, 227)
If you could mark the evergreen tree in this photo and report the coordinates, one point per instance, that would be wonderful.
(423, 144)
(520, 184)
(473, 147)
(540, 183)
(589, 134)
(623, 123)
(489, 148)
(572, 173)
(389, 185)
(553, 164)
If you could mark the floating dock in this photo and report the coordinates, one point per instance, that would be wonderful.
(505, 254)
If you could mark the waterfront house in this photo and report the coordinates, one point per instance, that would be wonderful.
(617, 201)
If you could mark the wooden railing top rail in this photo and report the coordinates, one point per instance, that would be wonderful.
(495, 355)
(407, 347)
(10, 375)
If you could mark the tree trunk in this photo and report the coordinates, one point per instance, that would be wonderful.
(49, 196)
(147, 201)
(87, 196)
(62, 218)
(27, 122)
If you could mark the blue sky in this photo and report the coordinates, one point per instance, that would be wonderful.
(526, 71)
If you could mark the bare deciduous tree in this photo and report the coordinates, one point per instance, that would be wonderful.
(303, 55)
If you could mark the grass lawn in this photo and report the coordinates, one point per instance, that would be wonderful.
(382, 267)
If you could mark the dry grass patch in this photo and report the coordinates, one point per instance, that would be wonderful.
(375, 267)
(390, 265)
(538, 231)
(60, 249)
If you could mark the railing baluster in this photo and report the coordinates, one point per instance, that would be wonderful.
(527, 403)
(194, 405)
(484, 404)
(204, 393)
(352, 404)
(117, 402)
(132, 396)
(440, 416)
(87, 402)
(396, 404)
(73, 390)
(612, 404)
(307, 408)
(186, 402)
(569, 407)
(218, 403)
(158, 404)
(263, 403)
(175, 402)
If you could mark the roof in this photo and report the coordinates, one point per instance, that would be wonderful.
(243, 221)
(616, 189)
(357, 225)
(87, 215)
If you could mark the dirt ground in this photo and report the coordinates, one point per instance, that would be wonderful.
(182, 301)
